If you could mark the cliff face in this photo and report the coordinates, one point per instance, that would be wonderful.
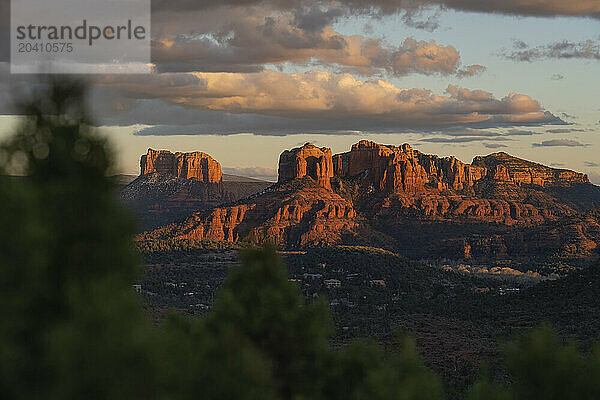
(503, 166)
(294, 216)
(307, 161)
(400, 169)
(196, 165)
(172, 186)
(392, 197)
(394, 169)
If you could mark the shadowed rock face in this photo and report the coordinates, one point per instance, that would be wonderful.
(181, 165)
(307, 161)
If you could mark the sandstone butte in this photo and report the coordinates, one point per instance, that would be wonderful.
(308, 160)
(196, 165)
(411, 183)
(400, 169)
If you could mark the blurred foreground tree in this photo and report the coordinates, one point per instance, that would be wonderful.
(73, 328)
(542, 367)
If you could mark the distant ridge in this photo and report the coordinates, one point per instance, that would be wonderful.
(237, 178)
(171, 186)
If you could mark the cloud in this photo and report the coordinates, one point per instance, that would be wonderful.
(564, 130)
(569, 116)
(246, 39)
(557, 77)
(494, 145)
(469, 132)
(520, 132)
(560, 143)
(418, 19)
(484, 133)
(471, 70)
(458, 140)
(591, 164)
(589, 49)
(463, 135)
(538, 8)
(320, 100)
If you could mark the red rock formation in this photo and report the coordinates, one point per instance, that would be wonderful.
(306, 216)
(508, 168)
(307, 161)
(484, 208)
(196, 165)
(436, 206)
(400, 169)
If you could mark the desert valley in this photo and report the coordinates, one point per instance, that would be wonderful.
(462, 256)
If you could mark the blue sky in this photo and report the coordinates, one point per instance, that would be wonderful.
(479, 38)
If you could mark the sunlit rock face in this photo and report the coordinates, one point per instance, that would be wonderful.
(285, 216)
(400, 169)
(196, 165)
(505, 167)
(396, 169)
(498, 207)
(307, 161)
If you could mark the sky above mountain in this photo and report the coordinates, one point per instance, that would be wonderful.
(243, 80)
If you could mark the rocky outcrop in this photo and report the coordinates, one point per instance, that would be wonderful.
(395, 169)
(504, 167)
(195, 165)
(400, 169)
(172, 186)
(460, 208)
(287, 217)
(396, 197)
(307, 161)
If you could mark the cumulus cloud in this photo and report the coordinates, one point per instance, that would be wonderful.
(589, 49)
(559, 143)
(246, 39)
(591, 164)
(335, 101)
